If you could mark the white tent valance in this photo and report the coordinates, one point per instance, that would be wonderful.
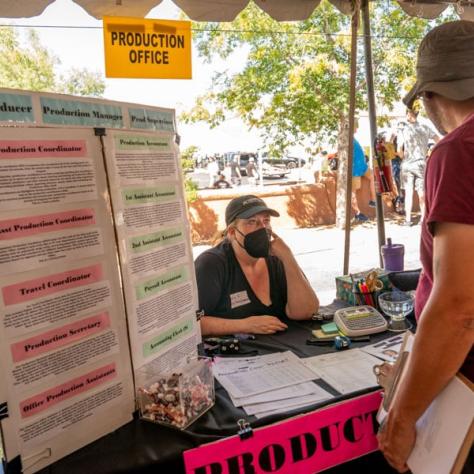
(227, 10)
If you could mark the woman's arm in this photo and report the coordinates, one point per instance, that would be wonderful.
(262, 324)
(302, 301)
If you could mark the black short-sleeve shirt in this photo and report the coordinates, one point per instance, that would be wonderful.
(224, 290)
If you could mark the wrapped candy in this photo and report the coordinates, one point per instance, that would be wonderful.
(178, 398)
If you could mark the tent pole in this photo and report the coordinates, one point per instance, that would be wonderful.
(372, 117)
(350, 131)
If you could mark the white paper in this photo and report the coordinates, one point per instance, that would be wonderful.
(346, 371)
(292, 391)
(387, 349)
(282, 410)
(319, 396)
(250, 376)
(442, 429)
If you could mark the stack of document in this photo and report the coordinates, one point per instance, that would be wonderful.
(347, 371)
(269, 384)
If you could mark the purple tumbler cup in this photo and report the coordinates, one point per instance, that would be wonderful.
(392, 255)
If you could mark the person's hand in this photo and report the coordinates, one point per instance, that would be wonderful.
(263, 325)
(396, 440)
(278, 247)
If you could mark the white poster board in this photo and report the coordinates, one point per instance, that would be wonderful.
(65, 355)
(155, 252)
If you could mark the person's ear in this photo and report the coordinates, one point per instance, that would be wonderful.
(230, 231)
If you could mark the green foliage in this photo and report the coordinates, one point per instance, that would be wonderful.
(188, 159)
(33, 67)
(191, 190)
(294, 80)
(82, 82)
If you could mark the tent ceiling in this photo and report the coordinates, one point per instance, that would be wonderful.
(226, 10)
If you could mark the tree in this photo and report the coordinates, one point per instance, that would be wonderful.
(188, 159)
(294, 82)
(33, 67)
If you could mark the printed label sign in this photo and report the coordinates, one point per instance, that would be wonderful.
(309, 443)
(159, 49)
(75, 112)
(16, 108)
(151, 119)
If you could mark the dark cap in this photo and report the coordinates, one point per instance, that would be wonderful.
(247, 206)
(445, 62)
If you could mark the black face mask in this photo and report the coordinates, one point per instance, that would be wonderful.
(257, 243)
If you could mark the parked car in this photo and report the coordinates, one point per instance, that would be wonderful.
(270, 171)
(288, 162)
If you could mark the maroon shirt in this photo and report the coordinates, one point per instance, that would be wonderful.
(449, 197)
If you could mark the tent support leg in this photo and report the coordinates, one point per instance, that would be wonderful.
(350, 131)
(372, 117)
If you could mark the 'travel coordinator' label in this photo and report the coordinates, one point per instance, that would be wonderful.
(147, 48)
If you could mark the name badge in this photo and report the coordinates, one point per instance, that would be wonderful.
(240, 298)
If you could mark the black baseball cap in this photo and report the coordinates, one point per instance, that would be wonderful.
(247, 206)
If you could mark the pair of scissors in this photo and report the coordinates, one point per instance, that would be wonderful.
(373, 283)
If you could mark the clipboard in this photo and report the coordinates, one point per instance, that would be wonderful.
(441, 413)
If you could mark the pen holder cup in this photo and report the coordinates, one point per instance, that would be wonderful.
(369, 298)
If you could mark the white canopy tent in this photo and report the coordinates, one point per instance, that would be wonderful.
(227, 10)
(281, 10)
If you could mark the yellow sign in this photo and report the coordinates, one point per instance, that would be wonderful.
(139, 48)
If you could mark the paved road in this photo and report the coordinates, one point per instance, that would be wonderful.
(320, 251)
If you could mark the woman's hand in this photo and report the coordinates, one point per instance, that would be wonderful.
(278, 247)
(263, 325)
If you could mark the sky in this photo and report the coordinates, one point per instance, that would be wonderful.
(83, 47)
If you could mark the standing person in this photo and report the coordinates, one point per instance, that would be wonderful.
(213, 170)
(252, 172)
(235, 175)
(360, 169)
(444, 302)
(250, 282)
(412, 142)
(398, 202)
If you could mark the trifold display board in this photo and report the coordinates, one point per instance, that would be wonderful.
(96, 269)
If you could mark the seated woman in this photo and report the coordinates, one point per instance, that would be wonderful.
(251, 279)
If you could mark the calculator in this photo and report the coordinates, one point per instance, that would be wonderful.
(359, 321)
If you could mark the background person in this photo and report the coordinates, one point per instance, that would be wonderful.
(235, 175)
(251, 281)
(444, 301)
(213, 170)
(412, 143)
(360, 169)
(252, 172)
(221, 182)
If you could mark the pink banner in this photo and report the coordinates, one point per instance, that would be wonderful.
(25, 226)
(42, 148)
(62, 392)
(308, 443)
(32, 289)
(59, 337)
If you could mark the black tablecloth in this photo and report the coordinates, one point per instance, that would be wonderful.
(142, 446)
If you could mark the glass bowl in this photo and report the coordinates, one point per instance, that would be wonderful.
(397, 305)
